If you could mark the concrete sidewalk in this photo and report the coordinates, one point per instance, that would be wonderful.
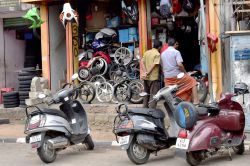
(100, 117)
(13, 132)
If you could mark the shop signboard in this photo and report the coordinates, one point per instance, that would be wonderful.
(240, 69)
(9, 5)
(240, 59)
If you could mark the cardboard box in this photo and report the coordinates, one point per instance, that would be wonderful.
(123, 35)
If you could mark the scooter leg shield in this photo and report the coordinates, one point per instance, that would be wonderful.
(206, 137)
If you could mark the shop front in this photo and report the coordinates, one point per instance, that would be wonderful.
(63, 47)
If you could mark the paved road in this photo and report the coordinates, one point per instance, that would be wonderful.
(23, 155)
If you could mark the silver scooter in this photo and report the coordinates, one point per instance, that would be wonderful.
(50, 130)
(142, 131)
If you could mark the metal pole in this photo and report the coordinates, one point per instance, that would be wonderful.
(203, 25)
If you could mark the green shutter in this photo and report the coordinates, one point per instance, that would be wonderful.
(15, 22)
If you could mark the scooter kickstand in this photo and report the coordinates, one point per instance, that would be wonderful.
(156, 153)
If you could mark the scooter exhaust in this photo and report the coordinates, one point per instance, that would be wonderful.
(58, 142)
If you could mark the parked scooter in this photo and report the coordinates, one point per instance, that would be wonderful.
(50, 130)
(213, 127)
(142, 131)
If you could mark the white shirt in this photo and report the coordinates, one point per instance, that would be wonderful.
(170, 59)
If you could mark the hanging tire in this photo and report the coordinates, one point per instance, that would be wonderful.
(122, 92)
(23, 93)
(239, 149)
(22, 102)
(11, 102)
(25, 82)
(46, 154)
(11, 98)
(137, 154)
(10, 105)
(123, 56)
(25, 78)
(6, 100)
(99, 67)
(87, 92)
(89, 142)
(133, 70)
(29, 69)
(23, 97)
(24, 89)
(24, 86)
(136, 87)
(118, 72)
(104, 92)
(84, 74)
(10, 94)
(26, 73)
(193, 158)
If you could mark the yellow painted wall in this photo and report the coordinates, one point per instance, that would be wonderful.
(214, 28)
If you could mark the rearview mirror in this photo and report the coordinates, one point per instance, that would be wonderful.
(75, 76)
(143, 94)
(41, 96)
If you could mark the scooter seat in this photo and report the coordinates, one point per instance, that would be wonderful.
(202, 111)
(156, 113)
(51, 112)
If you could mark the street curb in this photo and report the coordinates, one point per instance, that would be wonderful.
(4, 121)
(97, 143)
(22, 141)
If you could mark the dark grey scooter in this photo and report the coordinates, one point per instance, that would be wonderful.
(142, 131)
(51, 130)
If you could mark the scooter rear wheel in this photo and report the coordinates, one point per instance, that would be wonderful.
(46, 154)
(137, 153)
(194, 158)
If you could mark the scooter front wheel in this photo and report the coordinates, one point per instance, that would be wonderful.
(239, 149)
(194, 158)
(89, 143)
(45, 153)
(137, 153)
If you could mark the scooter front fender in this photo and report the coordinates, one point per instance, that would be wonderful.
(204, 137)
(126, 146)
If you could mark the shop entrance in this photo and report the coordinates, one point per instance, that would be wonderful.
(108, 47)
(21, 47)
(174, 18)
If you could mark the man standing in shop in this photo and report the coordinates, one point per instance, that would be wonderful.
(171, 62)
(150, 73)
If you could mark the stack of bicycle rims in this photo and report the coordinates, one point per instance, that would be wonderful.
(25, 77)
(10, 99)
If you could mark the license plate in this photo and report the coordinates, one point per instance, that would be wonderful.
(182, 143)
(35, 138)
(124, 140)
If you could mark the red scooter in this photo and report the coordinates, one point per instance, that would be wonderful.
(208, 129)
